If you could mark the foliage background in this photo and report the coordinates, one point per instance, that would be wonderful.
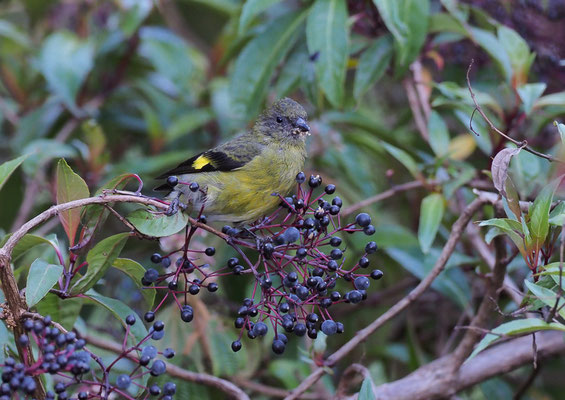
(138, 86)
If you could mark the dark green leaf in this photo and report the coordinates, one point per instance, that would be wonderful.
(40, 279)
(250, 10)
(135, 271)
(64, 311)
(372, 65)
(99, 259)
(539, 212)
(7, 168)
(439, 135)
(327, 36)
(264, 52)
(65, 60)
(120, 311)
(513, 328)
(157, 225)
(407, 21)
(431, 214)
(70, 187)
(547, 296)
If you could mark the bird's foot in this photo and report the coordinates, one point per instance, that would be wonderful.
(173, 207)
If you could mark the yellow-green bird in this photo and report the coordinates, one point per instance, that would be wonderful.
(236, 180)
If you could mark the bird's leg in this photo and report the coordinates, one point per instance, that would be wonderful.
(173, 207)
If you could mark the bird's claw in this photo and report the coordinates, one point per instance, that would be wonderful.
(173, 207)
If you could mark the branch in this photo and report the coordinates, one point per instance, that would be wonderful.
(16, 304)
(177, 372)
(456, 233)
(434, 380)
(523, 143)
(495, 282)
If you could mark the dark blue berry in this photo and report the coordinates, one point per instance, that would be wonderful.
(371, 247)
(300, 177)
(123, 381)
(329, 327)
(158, 368)
(330, 189)
(236, 346)
(369, 230)
(156, 258)
(172, 181)
(361, 283)
(278, 346)
(194, 187)
(377, 274)
(363, 219)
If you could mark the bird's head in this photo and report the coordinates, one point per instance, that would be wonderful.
(284, 121)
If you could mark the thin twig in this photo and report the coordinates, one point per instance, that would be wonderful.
(178, 372)
(454, 237)
(523, 143)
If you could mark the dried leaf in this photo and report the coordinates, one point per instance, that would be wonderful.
(499, 168)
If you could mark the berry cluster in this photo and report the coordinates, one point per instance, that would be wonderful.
(64, 356)
(301, 258)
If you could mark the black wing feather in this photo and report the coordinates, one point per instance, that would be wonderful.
(219, 161)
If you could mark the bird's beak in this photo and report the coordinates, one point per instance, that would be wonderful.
(302, 125)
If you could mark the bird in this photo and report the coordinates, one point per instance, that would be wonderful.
(239, 181)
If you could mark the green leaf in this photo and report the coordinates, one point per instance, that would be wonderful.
(64, 311)
(512, 228)
(188, 122)
(15, 34)
(431, 214)
(554, 99)
(250, 10)
(514, 328)
(518, 53)
(495, 50)
(65, 60)
(561, 130)
(99, 259)
(40, 279)
(26, 243)
(70, 187)
(529, 93)
(120, 311)
(439, 135)
(366, 392)
(327, 35)
(557, 215)
(264, 52)
(539, 212)
(547, 296)
(372, 65)
(157, 225)
(290, 76)
(407, 21)
(169, 54)
(8, 168)
(135, 271)
(404, 158)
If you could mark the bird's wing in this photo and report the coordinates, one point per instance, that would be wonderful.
(223, 158)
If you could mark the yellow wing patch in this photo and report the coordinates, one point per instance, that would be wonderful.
(201, 162)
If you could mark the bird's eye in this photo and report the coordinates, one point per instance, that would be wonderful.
(279, 120)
